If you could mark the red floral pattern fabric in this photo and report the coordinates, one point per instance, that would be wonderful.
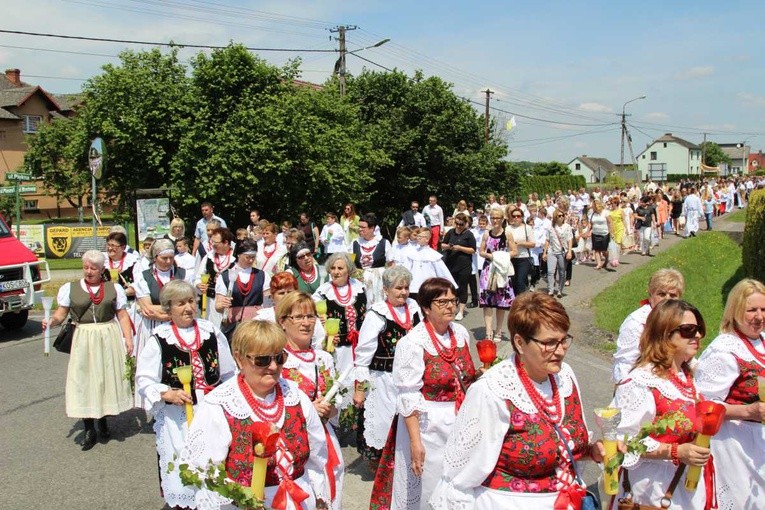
(439, 382)
(530, 454)
(382, 490)
(684, 432)
(744, 389)
(240, 455)
(306, 384)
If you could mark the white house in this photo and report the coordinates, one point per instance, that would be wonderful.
(669, 155)
(592, 169)
(739, 157)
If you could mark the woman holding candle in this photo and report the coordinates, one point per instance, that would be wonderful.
(313, 370)
(506, 449)
(239, 290)
(120, 263)
(283, 284)
(660, 386)
(386, 322)
(730, 371)
(432, 369)
(347, 302)
(212, 264)
(303, 266)
(181, 342)
(95, 384)
(222, 430)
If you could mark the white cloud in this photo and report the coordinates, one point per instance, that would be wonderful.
(657, 116)
(695, 72)
(595, 107)
(751, 99)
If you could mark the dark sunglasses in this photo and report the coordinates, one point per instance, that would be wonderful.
(689, 331)
(517, 216)
(459, 223)
(265, 361)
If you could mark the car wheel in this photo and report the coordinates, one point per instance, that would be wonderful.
(14, 321)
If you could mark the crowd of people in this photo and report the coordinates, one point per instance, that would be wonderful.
(284, 351)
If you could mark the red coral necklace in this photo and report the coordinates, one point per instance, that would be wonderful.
(448, 354)
(407, 324)
(98, 296)
(266, 412)
(306, 355)
(550, 409)
(343, 300)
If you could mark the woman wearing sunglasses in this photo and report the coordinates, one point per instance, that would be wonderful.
(523, 235)
(303, 266)
(496, 289)
(313, 370)
(221, 432)
(432, 370)
(507, 448)
(729, 372)
(662, 383)
(181, 342)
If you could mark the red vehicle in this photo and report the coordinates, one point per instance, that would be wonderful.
(20, 279)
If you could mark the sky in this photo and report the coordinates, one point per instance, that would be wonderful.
(563, 69)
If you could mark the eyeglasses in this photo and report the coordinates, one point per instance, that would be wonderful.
(550, 347)
(517, 216)
(689, 331)
(114, 246)
(443, 303)
(265, 361)
(497, 218)
(459, 223)
(304, 256)
(303, 318)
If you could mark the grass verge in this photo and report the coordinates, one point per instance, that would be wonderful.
(738, 216)
(711, 265)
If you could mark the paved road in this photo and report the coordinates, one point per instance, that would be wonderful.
(42, 465)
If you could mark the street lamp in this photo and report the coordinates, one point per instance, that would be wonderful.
(340, 64)
(375, 45)
(624, 129)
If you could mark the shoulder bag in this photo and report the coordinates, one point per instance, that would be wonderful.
(626, 503)
(590, 501)
(63, 342)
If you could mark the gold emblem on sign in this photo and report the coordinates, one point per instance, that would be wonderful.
(59, 240)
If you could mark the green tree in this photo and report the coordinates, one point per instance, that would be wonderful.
(551, 168)
(713, 154)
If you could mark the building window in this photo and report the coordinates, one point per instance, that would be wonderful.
(31, 205)
(31, 122)
(665, 145)
(2, 136)
(578, 166)
(654, 156)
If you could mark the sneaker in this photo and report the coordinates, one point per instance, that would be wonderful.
(458, 317)
(560, 295)
(497, 337)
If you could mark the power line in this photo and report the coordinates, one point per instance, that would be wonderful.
(172, 44)
(50, 50)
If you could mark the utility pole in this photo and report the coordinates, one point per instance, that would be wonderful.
(486, 115)
(340, 64)
(704, 150)
(624, 135)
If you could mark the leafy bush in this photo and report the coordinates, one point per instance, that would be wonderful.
(753, 253)
(551, 183)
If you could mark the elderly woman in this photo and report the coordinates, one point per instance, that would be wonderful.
(728, 371)
(221, 432)
(496, 290)
(385, 324)
(95, 384)
(666, 283)
(303, 266)
(283, 284)
(239, 290)
(215, 262)
(432, 369)
(662, 384)
(183, 341)
(533, 404)
(313, 370)
(346, 300)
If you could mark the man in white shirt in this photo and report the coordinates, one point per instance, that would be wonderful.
(434, 212)
(664, 284)
(200, 232)
(412, 217)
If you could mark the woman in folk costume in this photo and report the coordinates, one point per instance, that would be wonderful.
(385, 324)
(215, 262)
(662, 385)
(95, 384)
(507, 448)
(304, 267)
(270, 253)
(729, 372)
(313, 370)
(121, 263)
(432, 369)
(347, 301)
(225, 426)
(239, 290)
(184, 340)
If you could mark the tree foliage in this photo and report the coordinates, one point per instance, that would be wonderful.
(713, 154)
(551, 168)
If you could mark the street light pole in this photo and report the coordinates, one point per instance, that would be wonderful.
(340, 69)
(624, 130)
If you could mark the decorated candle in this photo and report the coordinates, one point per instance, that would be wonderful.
(332, 327)
(47, 303)
(487, 352)
(608, 419)
(205, 279)
(321, 307)
(709, 419)
(184, 375)
(114, 275)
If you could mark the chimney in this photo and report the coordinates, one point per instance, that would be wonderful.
(14, 76)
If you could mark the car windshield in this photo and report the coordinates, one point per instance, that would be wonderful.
(4, 230)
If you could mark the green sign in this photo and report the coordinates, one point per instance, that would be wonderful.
(10, 190)
(18, 176)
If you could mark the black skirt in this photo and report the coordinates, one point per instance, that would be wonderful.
(600, 242)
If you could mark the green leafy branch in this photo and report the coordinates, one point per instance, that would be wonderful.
(130, 371)
(669, 422)
(214, 479)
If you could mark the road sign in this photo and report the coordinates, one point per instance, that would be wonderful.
(10, 190)
(18, 176)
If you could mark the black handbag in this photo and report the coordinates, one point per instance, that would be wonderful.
(63, 342)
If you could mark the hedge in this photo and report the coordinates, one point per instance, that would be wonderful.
(753, 250)
(551, 183)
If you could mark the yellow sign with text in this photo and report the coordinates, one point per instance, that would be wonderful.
(71, 242)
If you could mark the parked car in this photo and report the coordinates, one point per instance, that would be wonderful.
(20, 279)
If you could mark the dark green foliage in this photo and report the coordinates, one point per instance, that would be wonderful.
(550, 184)
(753, 250)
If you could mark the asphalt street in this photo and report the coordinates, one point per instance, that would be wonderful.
(42, 465)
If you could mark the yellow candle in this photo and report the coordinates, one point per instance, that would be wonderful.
(321, 307)
(259, 465)
(184, 375)
(205, 278)
(332, 327)
(610, 478)
(694, 472)
(607, 419)
(114, 275)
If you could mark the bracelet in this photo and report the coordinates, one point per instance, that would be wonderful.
(673, 454)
